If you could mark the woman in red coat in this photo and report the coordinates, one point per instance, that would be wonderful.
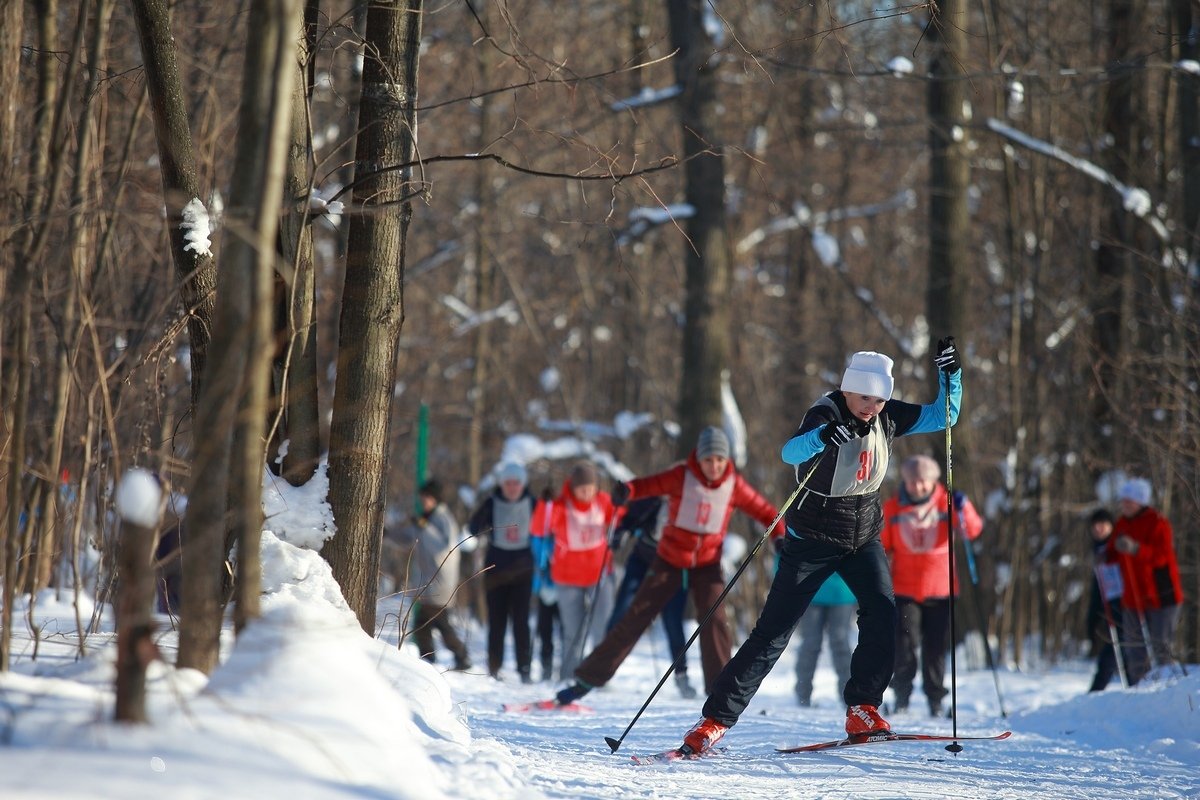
(916, 536)
(1142, 544)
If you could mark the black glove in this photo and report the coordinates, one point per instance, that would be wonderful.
(620, 494)
(946, 357)
(836, 434)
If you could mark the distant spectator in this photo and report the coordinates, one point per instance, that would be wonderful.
(169, 562)
(433, 575)
(1142, 543)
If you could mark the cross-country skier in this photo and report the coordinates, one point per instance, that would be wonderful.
(834, 526)
(702, 493)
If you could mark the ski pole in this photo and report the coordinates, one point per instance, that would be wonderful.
(1147, 643)
(614, 744)
(953, 747)
(987, 646)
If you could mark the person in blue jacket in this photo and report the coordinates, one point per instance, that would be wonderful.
(841, 451)
(549, 623)
(644, 519)
(828, 619)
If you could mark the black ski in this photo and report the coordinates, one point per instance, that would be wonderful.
(878, 738)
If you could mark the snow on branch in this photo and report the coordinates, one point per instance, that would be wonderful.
(645, 218)
(1135, 200)
(804, 217)
(646, 97)
(829, 252)
(196, 229)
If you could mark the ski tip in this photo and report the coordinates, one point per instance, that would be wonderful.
(613, 744)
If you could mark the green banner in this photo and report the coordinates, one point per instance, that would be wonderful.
(422, 454)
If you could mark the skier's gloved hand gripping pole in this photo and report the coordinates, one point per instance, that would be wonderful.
(615, 744)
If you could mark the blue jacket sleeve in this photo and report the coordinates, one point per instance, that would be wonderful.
(933, 416)
(802, 447)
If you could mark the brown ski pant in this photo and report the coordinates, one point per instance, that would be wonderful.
(659, 586)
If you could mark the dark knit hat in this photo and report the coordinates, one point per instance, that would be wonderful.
(1100, 515)
(712, 442)
(432, 488)
(584, 474)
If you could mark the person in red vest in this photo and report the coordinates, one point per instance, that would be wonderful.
(1143, 545)
(581, 562)
(916, 537)
(702, 493)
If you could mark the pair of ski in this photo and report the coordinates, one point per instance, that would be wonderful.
(678, 753)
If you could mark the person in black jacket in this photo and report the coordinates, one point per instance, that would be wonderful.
(1104, 607)
(841, 452)
(503, 519)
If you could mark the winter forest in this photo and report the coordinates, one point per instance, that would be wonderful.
(383, 239)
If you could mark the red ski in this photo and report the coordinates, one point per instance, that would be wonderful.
(877, 738)
(547, 705)
(674, 754)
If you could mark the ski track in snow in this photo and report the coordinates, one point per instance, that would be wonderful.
(565, 755)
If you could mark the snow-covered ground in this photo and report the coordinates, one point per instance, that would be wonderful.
(305, 706)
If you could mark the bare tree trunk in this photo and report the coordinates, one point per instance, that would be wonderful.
(258, 186)
(949, 176)
(372, 302)
(298, 383)
(1110, 296)
(196, 269)
(708, 252)
(40, 189)
(16, 402)
(135, 597)
(1187, 21)
(231, 413)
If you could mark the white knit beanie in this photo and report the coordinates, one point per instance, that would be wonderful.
(1137, 490)
(870, 374)
(512, 471)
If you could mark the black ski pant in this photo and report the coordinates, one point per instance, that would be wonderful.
(927, 622)
(804, 565)
(508, 592)
(547, 613)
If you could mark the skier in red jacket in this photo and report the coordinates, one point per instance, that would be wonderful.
(703, 493)
(916, 536)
